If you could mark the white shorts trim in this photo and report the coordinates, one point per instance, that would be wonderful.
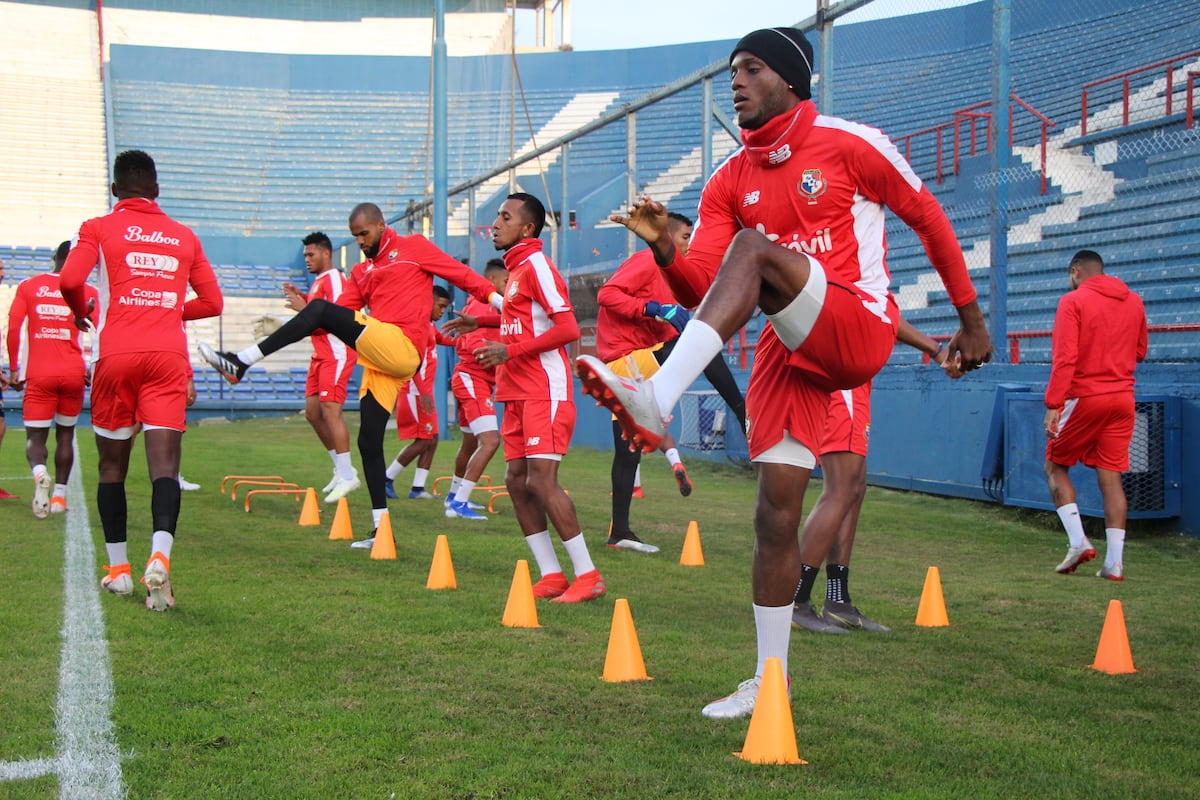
(65, 421)
(486, 424)
(796, 321)
(146, 427)
(787, 451)
(120, 434)
(547, 456)
(37, 423)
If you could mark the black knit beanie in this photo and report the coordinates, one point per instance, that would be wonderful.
(785, 50)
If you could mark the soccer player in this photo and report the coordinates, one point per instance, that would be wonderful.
(329, 370)
(416, 414)
(843, 458)
(638, 315)
(141, 373)
(1100, 336)
(533, 380)
(4, 375)
(474, 388)
(793, 223)
(45, 351)
(396, 283)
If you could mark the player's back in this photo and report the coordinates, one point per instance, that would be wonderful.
(50, 344)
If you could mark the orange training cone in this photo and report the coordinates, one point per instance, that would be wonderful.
(341, 522)
(311, 513)
(624, 660)
(693, 554)
(441, 571)
(520, 612)
(932, 611)
(771, 738)
(384, 548)
(1113, 656)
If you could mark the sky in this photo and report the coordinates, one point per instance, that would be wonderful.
(618, 24)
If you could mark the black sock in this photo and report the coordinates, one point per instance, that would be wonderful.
(110, 503)
(808, 576)
(164, 504)
(837, 583)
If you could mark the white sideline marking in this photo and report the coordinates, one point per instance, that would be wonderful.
(86, 759)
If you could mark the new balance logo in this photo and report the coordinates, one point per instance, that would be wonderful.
(533, 440)
(751, 198)
(780, 155)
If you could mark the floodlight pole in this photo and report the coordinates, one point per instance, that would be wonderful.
(440, 115)
(1001, 150)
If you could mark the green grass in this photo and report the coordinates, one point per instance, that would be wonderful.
(294, 667)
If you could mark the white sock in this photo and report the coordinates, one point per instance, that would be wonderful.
(1073, 523)
(251, 355)
(117, 553)
(672, 456)
(695, 348)
(581, 561)
(60, 490)
(377, 515)
(456, 482)
(1116, 547)
(40, 469)
(637, 477)
(543, 552)
(465, 488)
(161, 543)
(345, 469)
(333, 458)
(419, 476)
(774, 626)
(394, 469)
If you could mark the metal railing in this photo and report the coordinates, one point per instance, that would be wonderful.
(1168, 63)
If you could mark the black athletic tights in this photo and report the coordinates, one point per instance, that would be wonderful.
(373, 419)
(336, 319)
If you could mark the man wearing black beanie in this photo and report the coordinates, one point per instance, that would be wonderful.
(792, 223)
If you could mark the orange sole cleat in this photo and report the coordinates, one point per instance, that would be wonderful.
(588, 586)
(551, 585)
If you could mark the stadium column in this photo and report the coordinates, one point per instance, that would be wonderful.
(1001, 152)
(440, 173)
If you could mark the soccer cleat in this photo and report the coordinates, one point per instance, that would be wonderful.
(342, 488)
(157, 579)
(475, 506)
(805, 617)
(8, 495)
(420, 494)
(638, 494)
(737, 705)
(228, 364)
(587, 586)
(41, 495)
(119, 579)
(364, 544)
(188, 486)
(630, 400)
(551, 585)
(681, 477)
(1113, 573)
(332, 483)
(850, 617)
(1075, 557)
(462, 510)
(58, 505)
(389, 489)
(630, 541)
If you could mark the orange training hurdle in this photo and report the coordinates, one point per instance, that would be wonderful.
(228, 478)
(298, 492)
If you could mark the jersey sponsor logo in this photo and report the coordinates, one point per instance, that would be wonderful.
(62, 334)
(821, 241)
(781, 155)
(513, 328)
(144, 298)
(812, 185)
(52, 310)
(48, 291)
(751, 198)
(134, 233)
(151, 264)
(533, 440)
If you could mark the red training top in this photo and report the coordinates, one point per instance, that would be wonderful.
(42, 338)
(621, 325)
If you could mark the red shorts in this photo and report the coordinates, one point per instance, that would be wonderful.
(1095, 430)
(848, 424)
(328, 378)
(150, 388)
(537, 428)
(52, 398)
(789, 390)
(412, 422)
(474, 397)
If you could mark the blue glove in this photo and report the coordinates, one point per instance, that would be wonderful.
(675, 316)
(651, 309)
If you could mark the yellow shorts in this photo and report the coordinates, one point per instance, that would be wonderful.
(388, 359)
(638, 364)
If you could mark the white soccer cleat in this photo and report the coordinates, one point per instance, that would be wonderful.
(157, 579)
(119, 580)
(41, 495)
(737, 705)
(1075, 557)
(1113, 573)
(187, 486)
(364, 544)
(332, 483)
(630, 399)
(342, 488)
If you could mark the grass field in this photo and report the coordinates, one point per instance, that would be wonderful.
(294, 667)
